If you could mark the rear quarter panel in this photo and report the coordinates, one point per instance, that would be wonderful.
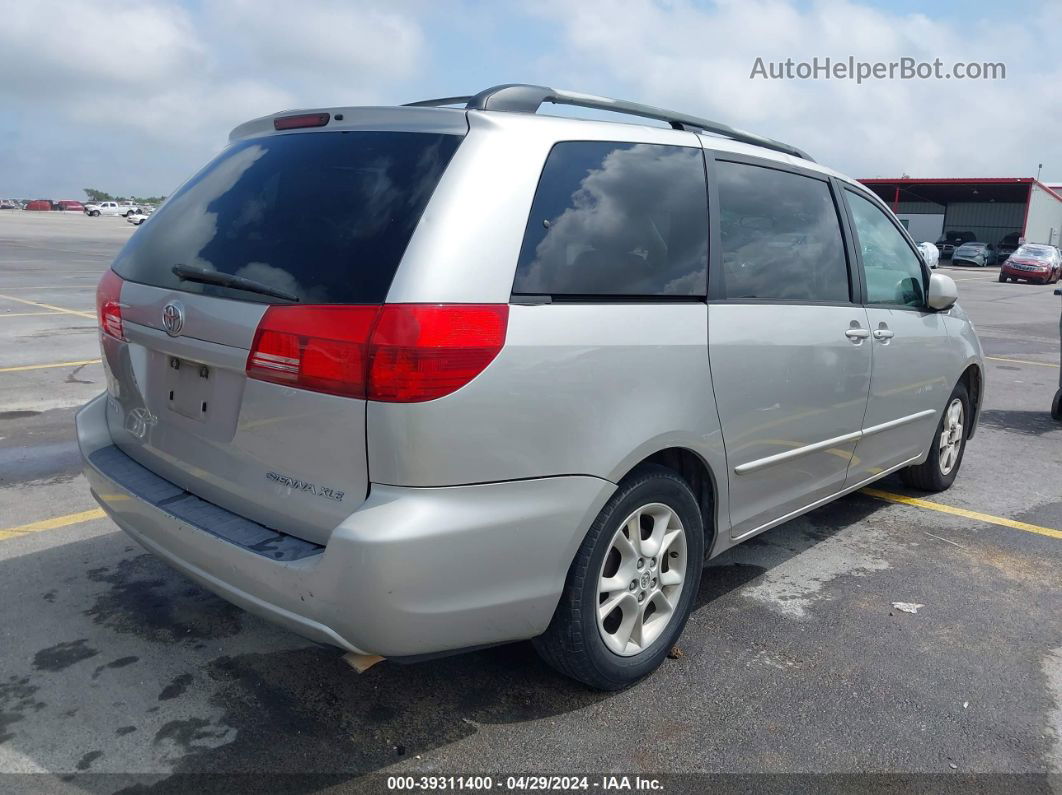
(579, 389)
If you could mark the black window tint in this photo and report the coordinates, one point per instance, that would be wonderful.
(893, 271)
(617, 219)
(325, 215)
(780, 236)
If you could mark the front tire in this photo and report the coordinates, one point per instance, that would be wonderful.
(632, 584)
(1002, 278)
(949, 443)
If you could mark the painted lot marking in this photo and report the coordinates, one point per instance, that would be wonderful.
(27, 314)
(1021, 361)
(888, 496)
(86, 286)
(90, 315)
(24, 367)
(51, 524)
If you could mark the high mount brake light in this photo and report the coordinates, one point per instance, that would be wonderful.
(395, 353)
(108, 306)
(303, 120)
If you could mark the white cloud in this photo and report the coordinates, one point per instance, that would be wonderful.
(60, 47)
(699, 59)
(338, 43)
(124, 92)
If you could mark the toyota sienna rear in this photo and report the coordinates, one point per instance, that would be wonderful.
(415, 380)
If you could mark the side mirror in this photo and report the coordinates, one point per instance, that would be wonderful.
(942, 292)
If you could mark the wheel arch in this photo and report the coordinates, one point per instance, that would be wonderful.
(701, 480)
(973, 379)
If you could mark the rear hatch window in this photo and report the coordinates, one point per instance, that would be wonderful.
(320, 217)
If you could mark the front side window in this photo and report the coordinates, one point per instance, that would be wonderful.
(780, 236)
(893, 271)
(617, 219)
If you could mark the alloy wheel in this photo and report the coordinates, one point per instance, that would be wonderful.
(951, 437)
(641, 579)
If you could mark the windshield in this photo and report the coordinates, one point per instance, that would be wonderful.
(1034, 252)
(324, 217)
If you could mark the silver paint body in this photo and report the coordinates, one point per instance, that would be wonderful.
(460, 516)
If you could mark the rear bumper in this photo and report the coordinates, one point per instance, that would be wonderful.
(412, 571)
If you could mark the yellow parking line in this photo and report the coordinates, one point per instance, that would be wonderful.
(980, 517)
(53, 287)
(1021, 361)
(26, 314)
(49, 306)
(24, 367)
(51, 524)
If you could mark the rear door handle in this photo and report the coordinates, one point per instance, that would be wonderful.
(883, 334)
(856, 334)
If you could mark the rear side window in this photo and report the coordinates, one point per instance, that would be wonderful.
(325, 216)
(617, 219)
(780, 236)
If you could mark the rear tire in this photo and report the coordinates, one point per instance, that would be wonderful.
(949, 443)
(603, 647)
(1056, 406)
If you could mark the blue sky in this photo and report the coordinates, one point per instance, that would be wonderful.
(132, 98)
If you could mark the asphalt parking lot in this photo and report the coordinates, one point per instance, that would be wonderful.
(794, 660)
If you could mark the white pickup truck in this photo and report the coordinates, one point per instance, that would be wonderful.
(124, 209)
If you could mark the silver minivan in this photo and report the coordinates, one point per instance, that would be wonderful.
(416, 380)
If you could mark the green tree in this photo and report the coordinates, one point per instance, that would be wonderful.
(97, 195)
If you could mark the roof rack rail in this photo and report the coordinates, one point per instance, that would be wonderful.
(523, 98)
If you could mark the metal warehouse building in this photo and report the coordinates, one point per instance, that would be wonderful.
(990, 208)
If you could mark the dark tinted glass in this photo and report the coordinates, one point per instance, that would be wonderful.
(617, 219)
(324, 216)
(781, 238)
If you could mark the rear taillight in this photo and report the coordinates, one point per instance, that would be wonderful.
(320, 348)
(397, 353)
(422, 352)
(108, 305)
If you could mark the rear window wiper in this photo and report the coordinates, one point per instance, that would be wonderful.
(190, 274)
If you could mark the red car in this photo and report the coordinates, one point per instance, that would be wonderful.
(71, 206)
(1033, 262)
(39, 204)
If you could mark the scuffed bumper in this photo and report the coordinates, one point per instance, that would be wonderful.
(413, 571)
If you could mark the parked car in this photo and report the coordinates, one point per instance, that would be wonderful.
(9, 204)
(109, 208)
(421, 420)
(69, 205)
(39, 205)
(137, 218)
(1007, 245)
(1033, 262)
(949, 241)
(979, 254)
(929, 253)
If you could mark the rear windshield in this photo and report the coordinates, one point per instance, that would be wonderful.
(324, 217)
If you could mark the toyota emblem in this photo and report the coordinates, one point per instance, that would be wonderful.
(173, 318)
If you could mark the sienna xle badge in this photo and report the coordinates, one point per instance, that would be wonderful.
(412, 380)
